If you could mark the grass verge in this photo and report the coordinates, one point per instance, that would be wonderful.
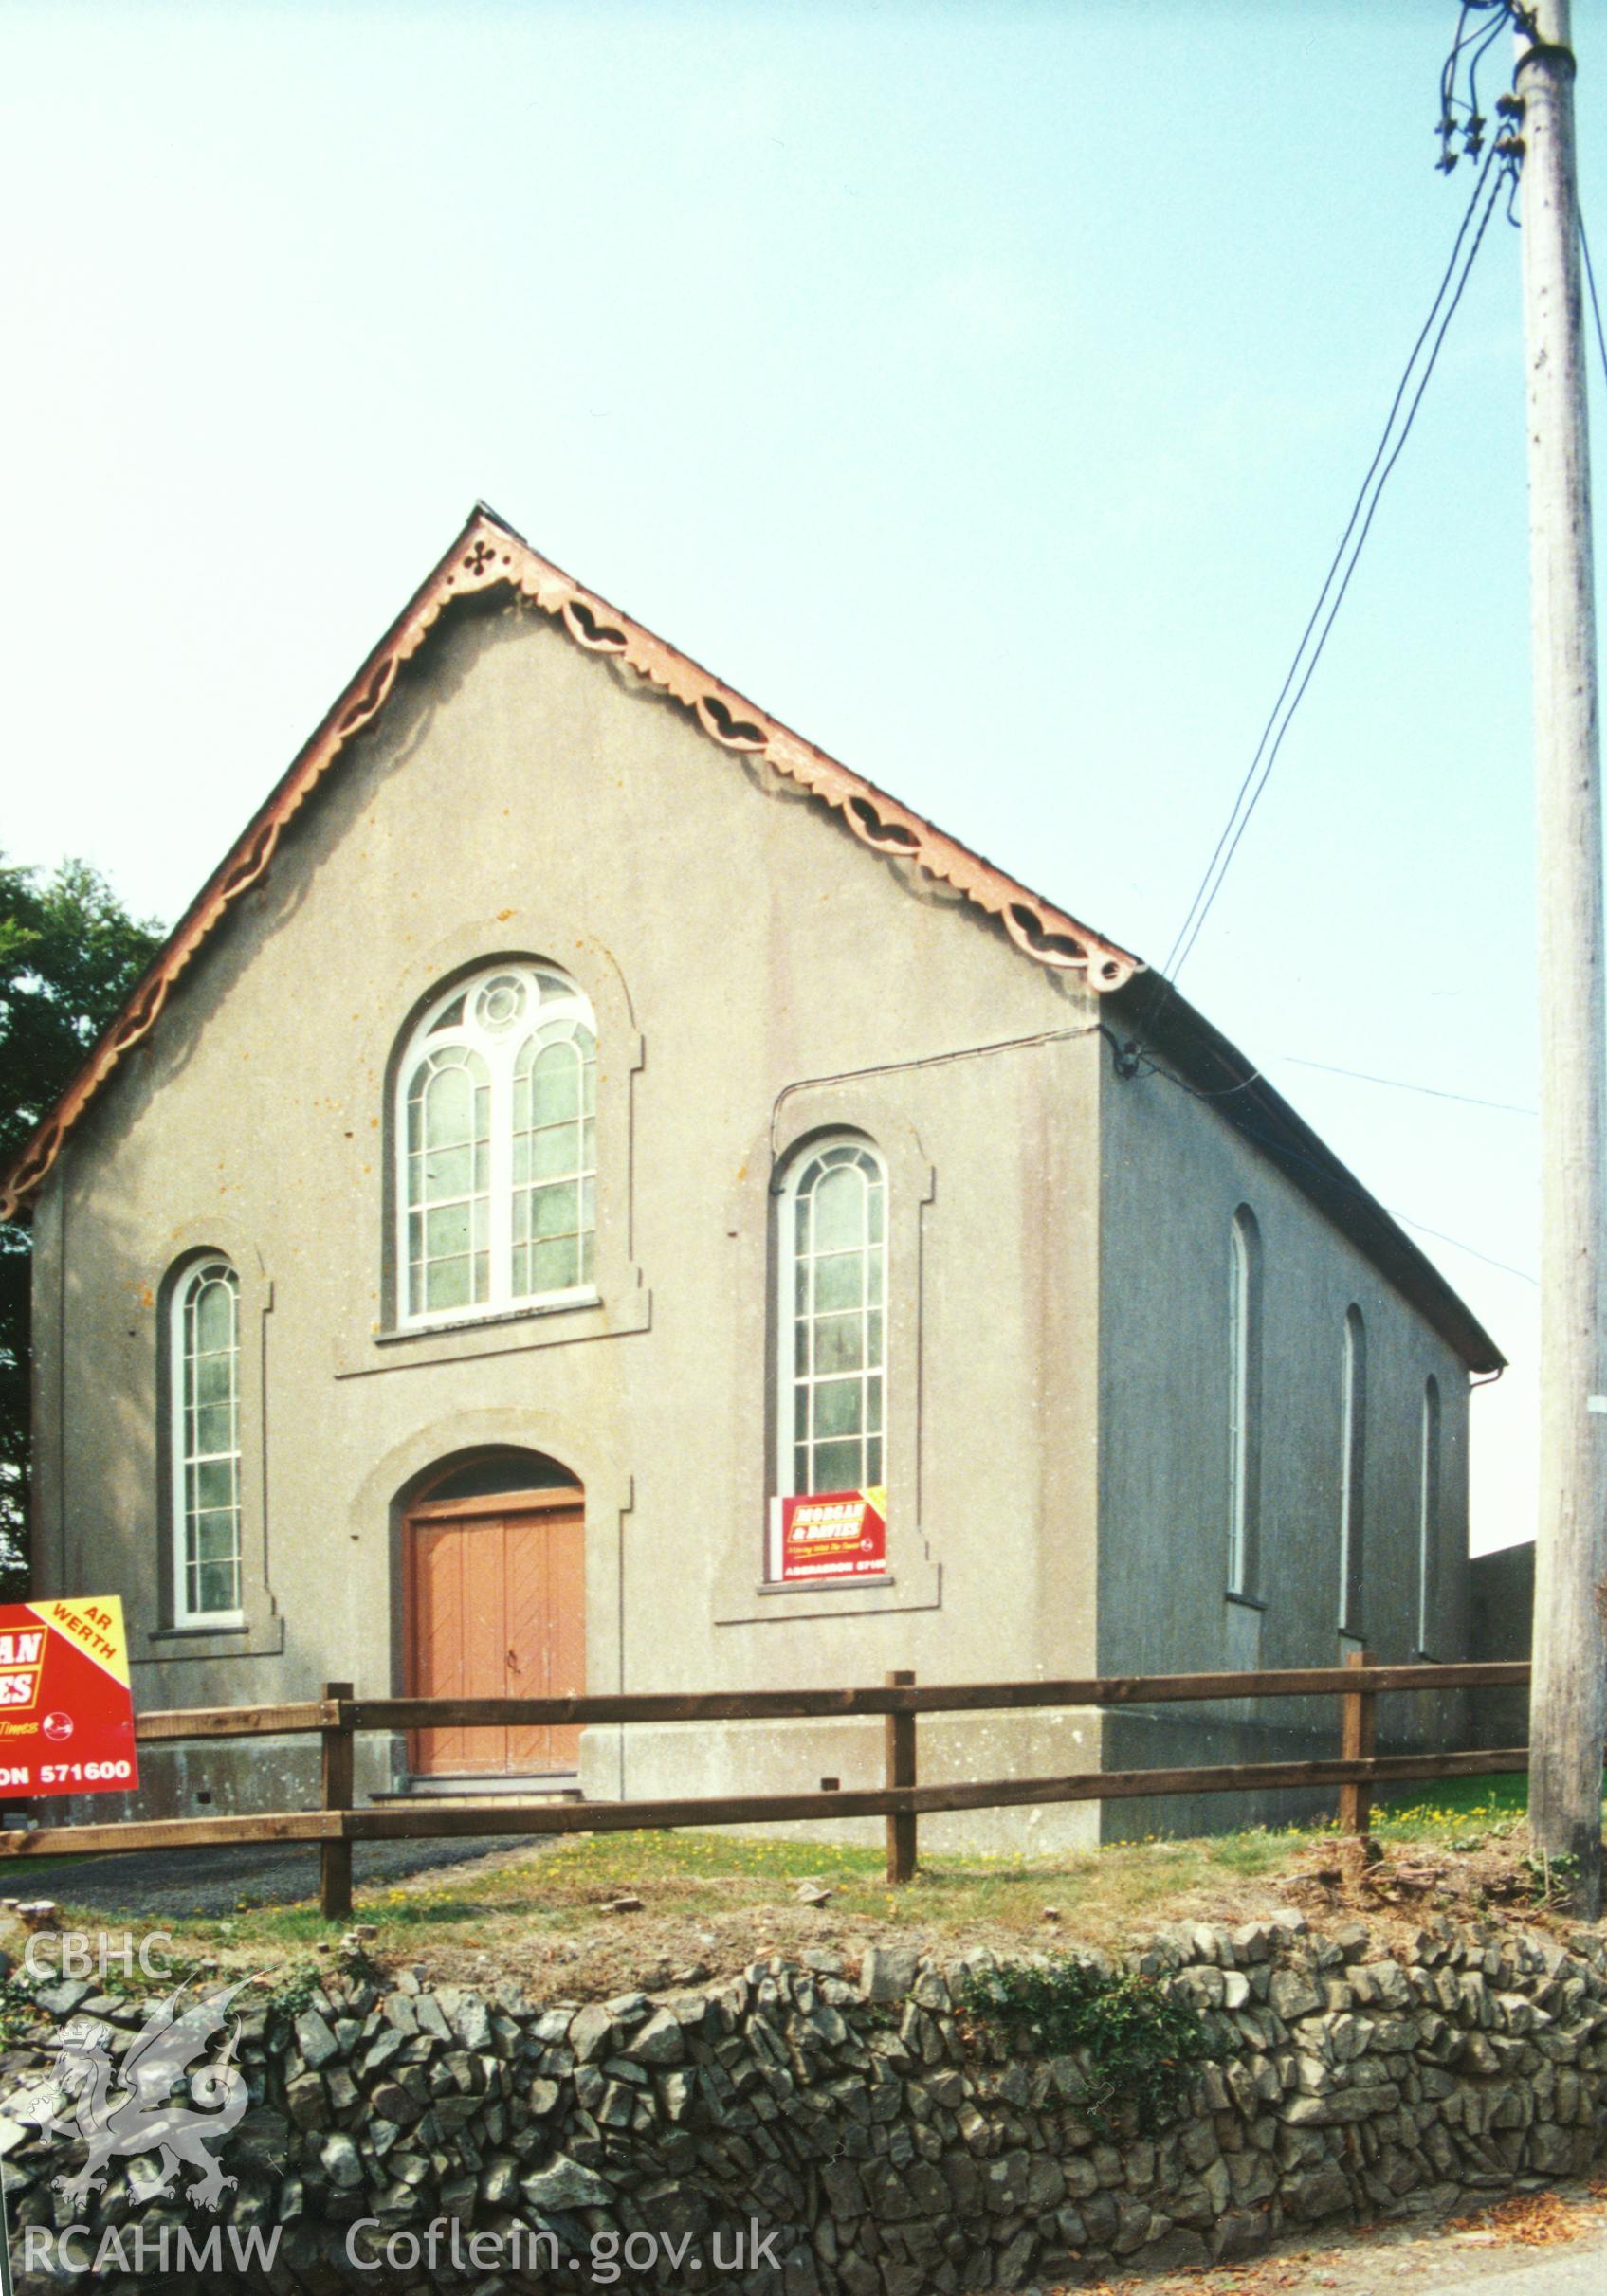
(592, 1915)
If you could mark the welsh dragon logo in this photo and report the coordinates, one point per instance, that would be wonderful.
(148, 2100)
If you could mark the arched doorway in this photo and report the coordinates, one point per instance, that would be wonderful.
(495, 1575)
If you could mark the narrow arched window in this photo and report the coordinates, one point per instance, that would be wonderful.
(496, 1129)
(1427, 1518)
(1244, 1406)
(1353, 1474)
(449, 1181)
(832, 1320)
(555, 1161)
(205, 1312)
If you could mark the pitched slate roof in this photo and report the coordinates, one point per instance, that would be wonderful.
(488, 555)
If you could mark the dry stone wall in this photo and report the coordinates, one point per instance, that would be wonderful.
(813, 2129)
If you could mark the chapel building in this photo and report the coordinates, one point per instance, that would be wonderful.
(595, 1195)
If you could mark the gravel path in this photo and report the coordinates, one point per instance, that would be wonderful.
(171, 1882)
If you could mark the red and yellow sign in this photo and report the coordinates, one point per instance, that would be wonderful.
(833, 1535)
(66, 1712)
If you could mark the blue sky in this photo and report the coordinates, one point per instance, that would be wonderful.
(980, 388)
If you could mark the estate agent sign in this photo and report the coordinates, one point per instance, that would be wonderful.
(67, 1714)
(831, 1534)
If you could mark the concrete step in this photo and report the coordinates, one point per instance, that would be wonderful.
(550, 1786)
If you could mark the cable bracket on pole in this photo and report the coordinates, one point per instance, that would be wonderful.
(1548, 52)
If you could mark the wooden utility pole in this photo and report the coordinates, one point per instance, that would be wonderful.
(1569, 1695)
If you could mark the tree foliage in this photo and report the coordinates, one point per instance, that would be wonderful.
(69, 955)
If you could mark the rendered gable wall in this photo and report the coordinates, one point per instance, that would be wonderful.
(520, 796)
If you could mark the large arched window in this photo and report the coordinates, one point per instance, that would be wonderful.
(832, 1319)
(1244, 1405)
(496, 1136)
(1353, 1474)
(204, 1311)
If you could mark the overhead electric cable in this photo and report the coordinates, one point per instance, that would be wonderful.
(1496, 15)
(1479, 26)
(1399, 1084)
(1471, 1250)
(1254, 784)
(1594, 302)
(1285, 1154)
(1378, 453)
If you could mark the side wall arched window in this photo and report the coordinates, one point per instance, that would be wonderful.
(1427, 1520)
(832, 1319)
(495, 1147)
(1244, 1406)
(1353, 1474)
(204, 1340)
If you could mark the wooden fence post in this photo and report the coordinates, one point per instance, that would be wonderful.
(1359, 1738)
(334, 1858)
(901, 1770)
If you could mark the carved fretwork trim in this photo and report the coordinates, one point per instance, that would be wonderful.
(488, 555)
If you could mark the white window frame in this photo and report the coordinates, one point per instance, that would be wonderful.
(806, 1161)
(209, 1268)
(1244, 1407)
(500, 1049)
(1431, 1470)
(1352, 1478)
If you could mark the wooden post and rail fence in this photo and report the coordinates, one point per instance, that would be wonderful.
(337, 1718)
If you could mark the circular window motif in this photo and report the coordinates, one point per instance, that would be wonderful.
(499, 1003)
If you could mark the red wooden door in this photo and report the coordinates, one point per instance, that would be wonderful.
(497, 1609)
